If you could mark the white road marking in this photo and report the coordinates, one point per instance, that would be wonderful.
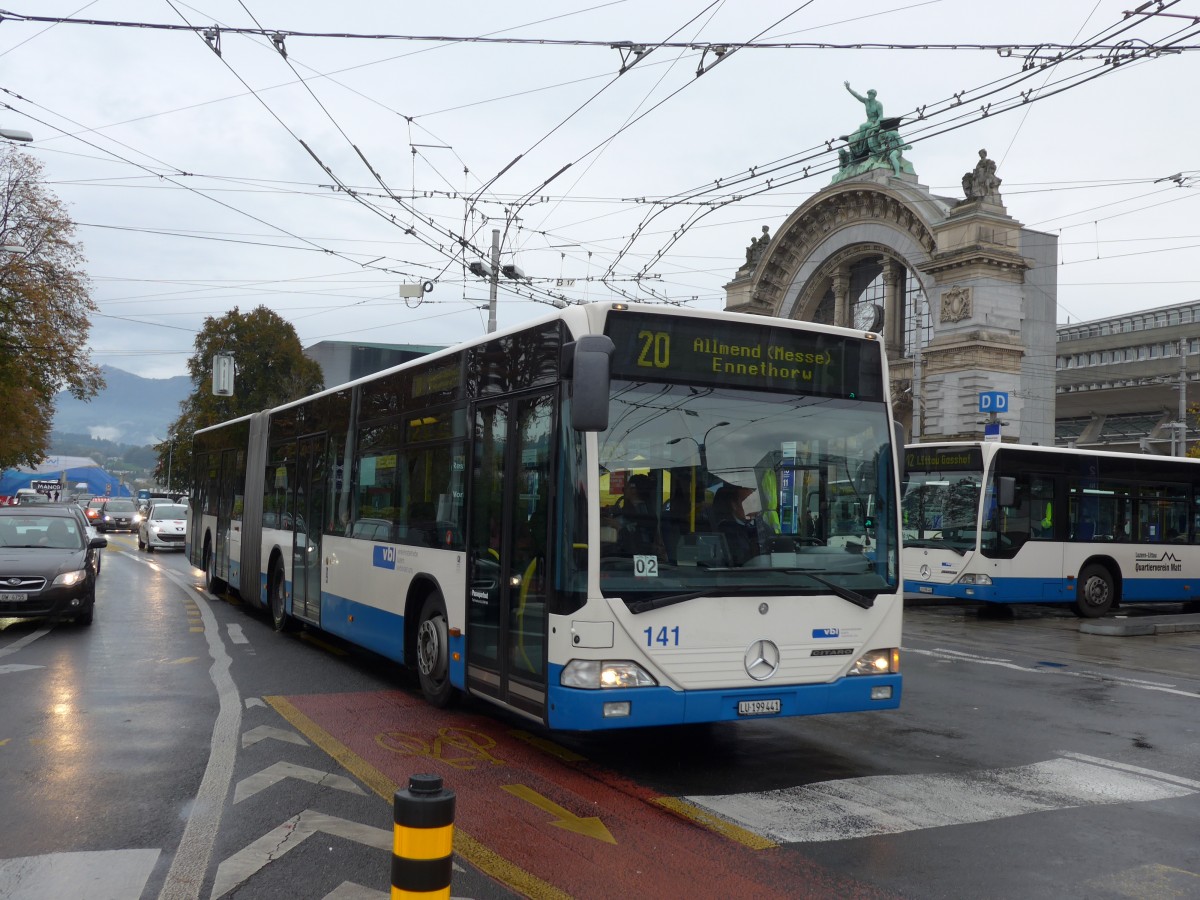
(892, 804)
(186, 875)
(280, 771)
(1044, 670)
(262, 732)
(17, 667)
(95, 874)
(287, 837)
(255, 701)
(24, 642)
(236, 634)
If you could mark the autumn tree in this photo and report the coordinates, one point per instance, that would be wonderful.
(270, 368)
(45, 302)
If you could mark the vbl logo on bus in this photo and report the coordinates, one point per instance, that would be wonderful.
(384, 558)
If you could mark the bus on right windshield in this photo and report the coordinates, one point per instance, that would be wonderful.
(1009, 523)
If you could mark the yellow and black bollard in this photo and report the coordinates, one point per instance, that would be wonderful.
(423, 842)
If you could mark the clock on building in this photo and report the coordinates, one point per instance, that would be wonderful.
(868, 317)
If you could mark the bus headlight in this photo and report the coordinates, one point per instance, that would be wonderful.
(594, 674)
(975, 579)
(877, 662)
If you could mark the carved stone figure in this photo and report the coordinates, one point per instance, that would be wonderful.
(981, 183)
(758, 246)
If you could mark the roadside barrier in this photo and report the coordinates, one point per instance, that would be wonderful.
(423, 841)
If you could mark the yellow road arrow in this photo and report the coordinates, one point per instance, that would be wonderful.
(588, 826)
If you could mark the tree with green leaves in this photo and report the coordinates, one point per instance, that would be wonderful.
(270, 368)
(45, 302)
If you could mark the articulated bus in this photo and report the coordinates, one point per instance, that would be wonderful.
(615, 516)
(1006, 523)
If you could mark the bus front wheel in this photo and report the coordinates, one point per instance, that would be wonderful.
(1094, 593)
(433, 653)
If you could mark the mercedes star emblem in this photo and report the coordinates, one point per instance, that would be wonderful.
(762, 660)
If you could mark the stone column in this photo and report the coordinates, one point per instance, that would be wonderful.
(840, 282)
(893, 307)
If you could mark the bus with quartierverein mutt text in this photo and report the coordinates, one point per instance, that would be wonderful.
(1009, 523)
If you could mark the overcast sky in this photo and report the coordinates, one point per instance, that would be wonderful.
(188, 174)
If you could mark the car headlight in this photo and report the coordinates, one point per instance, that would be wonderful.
(137, 517)
(107, 517)
(66, 579)
(975, 579)
(877, 662)
(594, 674)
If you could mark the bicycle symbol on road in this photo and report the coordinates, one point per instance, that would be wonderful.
(454, 746)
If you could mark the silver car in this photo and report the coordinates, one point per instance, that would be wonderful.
(163, 528)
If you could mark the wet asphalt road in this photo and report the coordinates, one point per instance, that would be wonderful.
(180, 748)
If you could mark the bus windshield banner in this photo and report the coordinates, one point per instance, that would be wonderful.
(762, 357)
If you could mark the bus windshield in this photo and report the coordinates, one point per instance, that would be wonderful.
(940, 503)
(715, 490)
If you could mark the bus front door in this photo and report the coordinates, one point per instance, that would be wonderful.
(510, 503)
(309, 513)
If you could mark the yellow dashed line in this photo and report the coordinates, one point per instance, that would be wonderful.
(715, 823)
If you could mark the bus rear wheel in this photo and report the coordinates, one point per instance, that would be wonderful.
(278, 599)
(433, 653)
(1095, 594)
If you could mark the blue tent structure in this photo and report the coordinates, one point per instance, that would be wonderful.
(74, 470)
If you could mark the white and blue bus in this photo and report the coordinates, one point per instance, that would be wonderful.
(1007, 523)
(614, 516)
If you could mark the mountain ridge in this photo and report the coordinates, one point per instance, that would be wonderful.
(130, 410)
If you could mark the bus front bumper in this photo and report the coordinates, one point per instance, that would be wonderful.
(576, 709)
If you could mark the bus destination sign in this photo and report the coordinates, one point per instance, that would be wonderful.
(943, 459)
(743, 355)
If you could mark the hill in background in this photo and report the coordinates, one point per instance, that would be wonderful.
(130, 410)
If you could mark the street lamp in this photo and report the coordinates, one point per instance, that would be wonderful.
(170, 459)
(701, 445)
(16, 134)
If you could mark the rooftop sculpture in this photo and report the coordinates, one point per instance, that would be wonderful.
(875, 144)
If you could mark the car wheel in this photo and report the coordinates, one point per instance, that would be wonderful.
(85, 618)
(149, 549)
(433, 653)
(278, 599)
(1095, 594)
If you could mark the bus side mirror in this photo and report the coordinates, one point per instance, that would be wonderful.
(587, 364)
(1007, 490)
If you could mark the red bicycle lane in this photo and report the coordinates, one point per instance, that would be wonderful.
(578, 829)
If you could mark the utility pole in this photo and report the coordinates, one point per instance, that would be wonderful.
(494, 280)
(1182, 423)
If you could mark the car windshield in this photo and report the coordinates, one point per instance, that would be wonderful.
(710, 490)
(49, 532)
(119, 506)
(165, 511)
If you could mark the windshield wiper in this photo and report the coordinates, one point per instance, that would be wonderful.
(641, 606)
(930, 542)
(844, 592)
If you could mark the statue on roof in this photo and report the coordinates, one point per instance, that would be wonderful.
(875, 144)
(981, 183)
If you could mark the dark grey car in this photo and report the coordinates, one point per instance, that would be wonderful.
(47, 564)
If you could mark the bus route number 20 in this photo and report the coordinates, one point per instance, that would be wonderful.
(656, 350)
